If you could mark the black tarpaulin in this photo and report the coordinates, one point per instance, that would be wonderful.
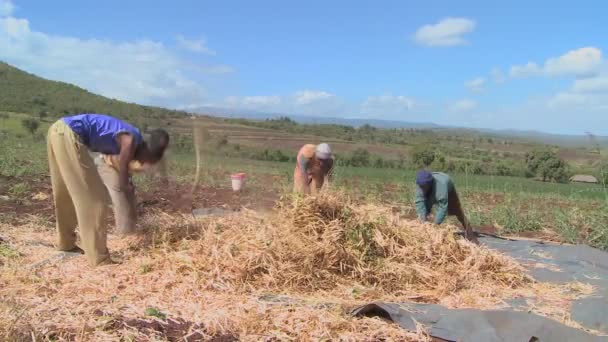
(570, 263)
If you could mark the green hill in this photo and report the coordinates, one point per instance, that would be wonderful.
(26, 93)
(460, 151)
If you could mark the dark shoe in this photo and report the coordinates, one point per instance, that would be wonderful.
(108, 261)
(76, 249)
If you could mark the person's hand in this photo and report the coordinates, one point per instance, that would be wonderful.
(472, 237)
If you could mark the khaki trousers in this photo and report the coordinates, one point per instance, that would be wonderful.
(124, 204)
(79, 194)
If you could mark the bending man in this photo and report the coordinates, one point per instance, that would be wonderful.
(124, 204)
(436, 188)
(78, 192)
(314, 165)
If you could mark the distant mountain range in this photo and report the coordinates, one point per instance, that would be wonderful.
(530, 135)
(354, 122)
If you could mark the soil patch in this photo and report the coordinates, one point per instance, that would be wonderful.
(37, 200)
(180, 199)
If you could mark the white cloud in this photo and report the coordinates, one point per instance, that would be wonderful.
(464, 105)
(447, 32)
(591, 85)
(527, 70)
(253, 102)
(320, 103)
(6, 8)
(476, 85)
(216, 69)
(261, 100)
(583, 62)
(142, 71)
(305, 97)
(306, 102)
(497, 76)
(568, 99)
(387, 106)
(584, 94)
(196, 45)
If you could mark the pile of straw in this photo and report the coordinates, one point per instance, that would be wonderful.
(324, 241)
(207, 277)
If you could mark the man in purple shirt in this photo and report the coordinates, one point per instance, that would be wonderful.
(79, 194)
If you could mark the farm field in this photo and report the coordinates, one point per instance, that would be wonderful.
(174, 259)
(315, 171)
(272, 266)
(497, 204)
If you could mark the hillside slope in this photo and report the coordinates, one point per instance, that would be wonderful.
(26, 93)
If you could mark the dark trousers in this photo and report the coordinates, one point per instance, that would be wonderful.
(455, 209)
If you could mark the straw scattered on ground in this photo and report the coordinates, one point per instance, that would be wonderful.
(220, 277)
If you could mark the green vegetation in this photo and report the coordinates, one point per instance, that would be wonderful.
(31, 125)
(380, 164)
(547, 166)
(7, 252)
(26, 93)
(154, 312)
(449, 150)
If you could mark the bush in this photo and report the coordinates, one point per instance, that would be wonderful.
(547, 165)
(360, 157)
(423, 156)
(31, 125)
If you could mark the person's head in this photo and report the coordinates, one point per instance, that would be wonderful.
(152, 149)
(424, 179)
(323, 152)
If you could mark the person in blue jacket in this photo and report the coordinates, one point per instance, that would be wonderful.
(437, 189)
(79, 194)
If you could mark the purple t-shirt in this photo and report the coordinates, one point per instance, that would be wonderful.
(98, 132)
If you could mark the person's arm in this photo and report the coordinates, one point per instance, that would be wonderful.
(127, 151)
(421, 209)
(442, 210)
(329, 176)
(303, 164)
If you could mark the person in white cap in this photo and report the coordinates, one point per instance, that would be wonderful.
(313, 171)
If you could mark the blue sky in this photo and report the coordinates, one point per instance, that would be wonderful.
(525, 65)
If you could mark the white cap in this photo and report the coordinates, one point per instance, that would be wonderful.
(323, 151)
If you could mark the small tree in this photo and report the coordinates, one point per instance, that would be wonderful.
(43, 114)
(379, 163)
(31, 125)
(423, 157)
(547, 165)
(360, 157)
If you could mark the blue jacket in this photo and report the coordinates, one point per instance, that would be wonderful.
(99, 132)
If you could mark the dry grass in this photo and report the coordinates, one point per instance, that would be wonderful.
(209, 277)
(324, 242)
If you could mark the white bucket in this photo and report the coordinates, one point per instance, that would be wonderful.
(238, 181)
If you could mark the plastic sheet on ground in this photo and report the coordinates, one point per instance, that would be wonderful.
(569, 263)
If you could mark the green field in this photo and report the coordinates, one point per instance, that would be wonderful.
(574, 213)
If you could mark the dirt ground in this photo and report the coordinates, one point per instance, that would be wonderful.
(37, 200)
(174, 198)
